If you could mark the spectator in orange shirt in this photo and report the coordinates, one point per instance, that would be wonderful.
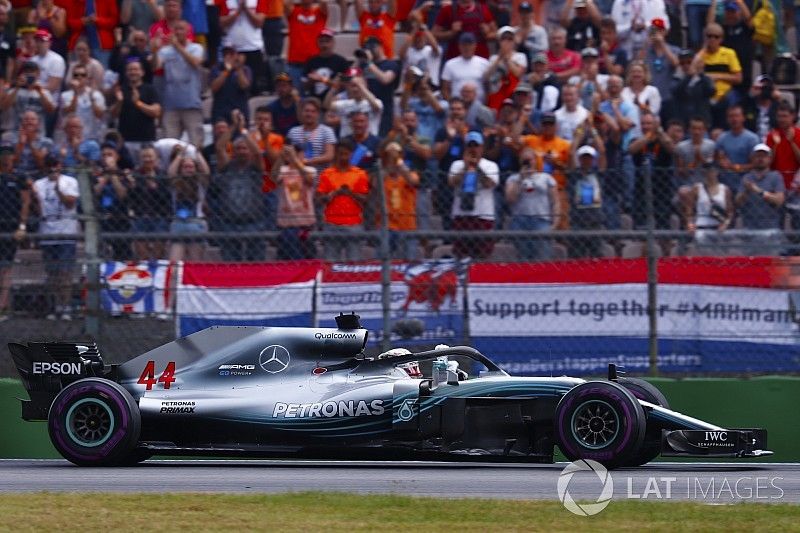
(343, 190)
(552, 157)
(378, 21)
(270, 144)
(400, 188)
(306, 20)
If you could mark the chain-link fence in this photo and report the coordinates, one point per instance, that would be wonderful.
(550, 272)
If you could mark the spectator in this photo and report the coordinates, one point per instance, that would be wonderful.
(500, 140)
(272, 34)
(400, 185)
(465, 17)
(377, 21)
(663, 61)
(57, 198)
(316, 139)
(269, 144)
(111, 196)
(366, 143)
(126, 160)
(383, 78)
(421, 50)
(219, 129)
(51, 65)
(633, 17)
(86, 103)
(135, 50)
(448, 148)
(693, 153)
(75, 150)
(625, 113)
(721, 65)
(28, 95)
(181, 61)
(284, 107)
(242, 20)
(734, 149)
(140, 14)
(161, 30)
(83, 58)
(585, 191)
(8, 46)
(150, 204)
(479, 116)
(530, 37)
(784, 141)
(49, 17)
(322, 69)
(737, 25)
(15, 206)
(296, 214)
(306, 21)
(137, 108)
(473, 180)
(545, 87)
(615, 184)
(93, 21)
(236, 188)
(230, 85)
(533, 198)
(167, 147)
(709, 208)
(589, 82)
(762, 194)
(505, 70)
(675, 130)
(581, 18)
(571, 114)
(428, 106)
(761, 106)
(638, 90)
(693, 89)
(31, 145)
(26, 43)
(356, 97)
(342, 191)
(189, 180)
(561, 61)
(465, 68)
(613, 56)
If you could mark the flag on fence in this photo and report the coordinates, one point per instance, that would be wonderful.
(130, 288)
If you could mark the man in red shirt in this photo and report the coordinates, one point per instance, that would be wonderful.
(306, 20)
(465, 16)
(162, 30)
(563, 62)
(785, 143)
(377, 22)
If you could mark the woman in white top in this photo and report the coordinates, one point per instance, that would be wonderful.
(638, 89)
(709, 208)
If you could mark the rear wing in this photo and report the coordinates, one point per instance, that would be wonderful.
(47, 367)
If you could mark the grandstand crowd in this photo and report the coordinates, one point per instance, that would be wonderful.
(248, 116)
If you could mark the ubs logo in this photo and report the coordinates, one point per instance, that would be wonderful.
(274, 358)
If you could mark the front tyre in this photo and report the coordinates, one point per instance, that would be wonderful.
(599, 420)
(94, 422)
(651, 447)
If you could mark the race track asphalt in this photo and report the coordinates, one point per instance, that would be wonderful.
(704, 482)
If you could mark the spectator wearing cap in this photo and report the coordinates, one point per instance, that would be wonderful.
(342, 191)
(28, 94)
(241, 21)
(284, 108)
(581, 19)
(316, 139)
(52, 18)
(506, 68)
(530, 37)
(181, 61)
(31, 146)
(571, 114)
(734, 149)
(561, 61)
(722, 65)
(355, 97)
(306, 20)
(633, 17)
(322, 69)
(378, 21)
(51, 65)
(662, 59)
(56, 197)
(231, 80)
(95, 21)
(26, 43)
(590, 83)
(8, 45)
(15, 205)
(692, 88)
(613, 58)
(784, 141)
(110, 191)
(585, 190)
(638, 90)
(467, 67)
(465, 17)
(763, 192)
(383, 77)
(544, 88)
(737, 27)
(421, 50)
(761, 106)
(479, 116)
(137, 107)
(400, 184)
(473, 180)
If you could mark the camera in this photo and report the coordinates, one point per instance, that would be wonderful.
(360, 54)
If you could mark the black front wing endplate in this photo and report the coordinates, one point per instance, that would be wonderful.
(749, 442)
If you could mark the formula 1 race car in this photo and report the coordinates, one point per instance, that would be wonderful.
(312, 393)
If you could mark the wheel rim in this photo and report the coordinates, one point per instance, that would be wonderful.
(90, 422)
(595, 424)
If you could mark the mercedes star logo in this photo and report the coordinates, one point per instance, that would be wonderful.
(274, 359)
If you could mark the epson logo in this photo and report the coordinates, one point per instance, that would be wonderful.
(63, 369)
(320, 336)
(328, 409)
(237, 367)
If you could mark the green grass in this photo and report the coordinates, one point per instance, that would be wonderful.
(342, 512)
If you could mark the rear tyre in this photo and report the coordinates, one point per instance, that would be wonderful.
(599, 420)
(651, 447)
(94, 422)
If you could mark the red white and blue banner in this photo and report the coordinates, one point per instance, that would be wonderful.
(135, 288)
(714, 315)
(257, 294)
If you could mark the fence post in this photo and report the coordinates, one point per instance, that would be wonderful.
(386, 263)
(652, 270)
(91, 239)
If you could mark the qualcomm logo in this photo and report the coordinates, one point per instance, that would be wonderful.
(274, 359)
(585, 509)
